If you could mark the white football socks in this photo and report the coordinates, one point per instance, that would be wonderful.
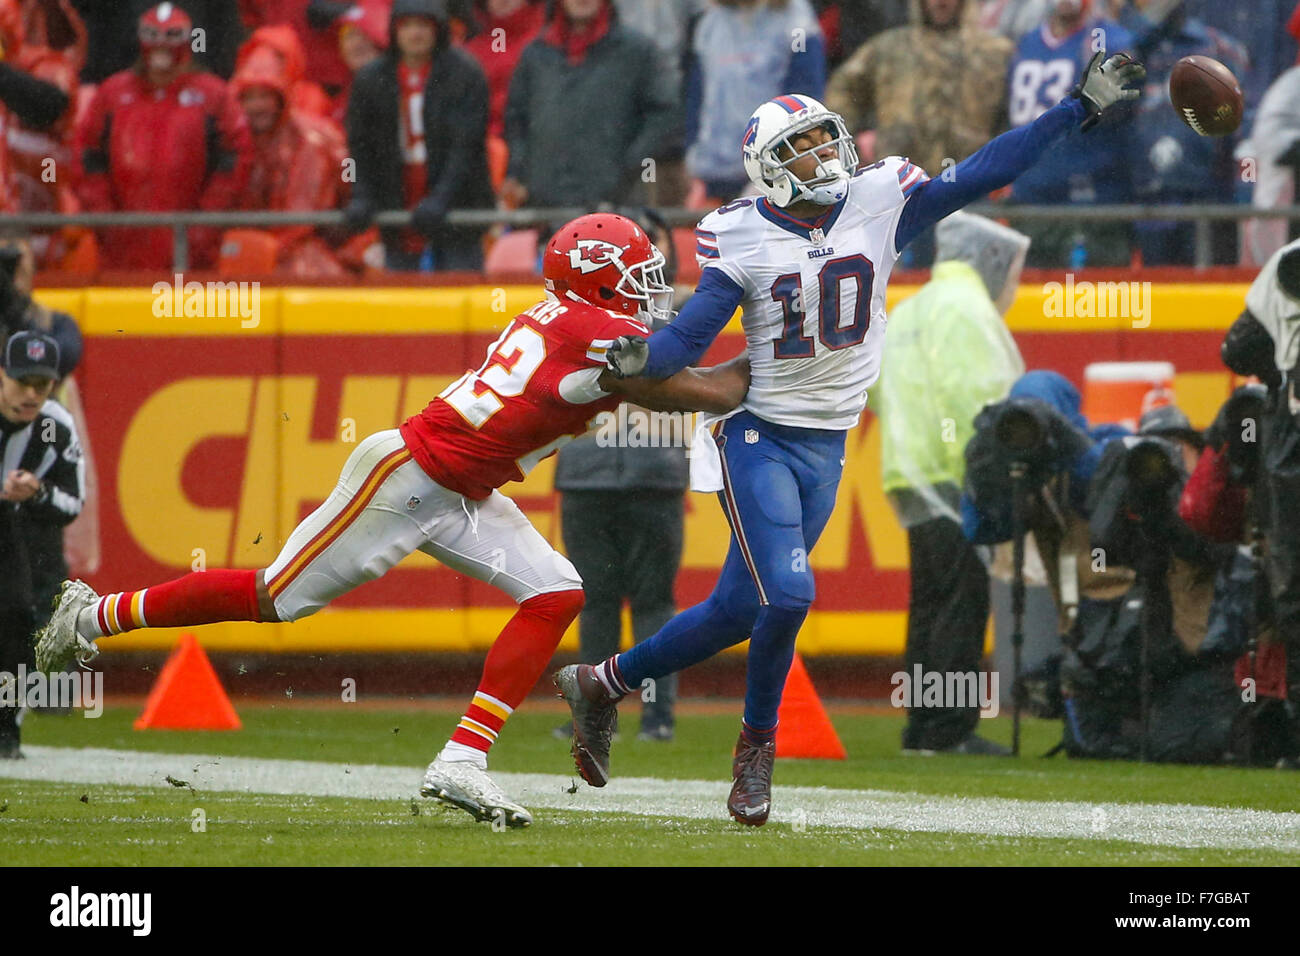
(459, 753)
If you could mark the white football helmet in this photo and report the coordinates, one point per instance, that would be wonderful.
(773, 125)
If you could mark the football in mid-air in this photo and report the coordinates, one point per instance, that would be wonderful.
(1206, 95)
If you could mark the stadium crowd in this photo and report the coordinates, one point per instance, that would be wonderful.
(441, 105)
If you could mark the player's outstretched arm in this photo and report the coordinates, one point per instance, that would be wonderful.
(1003, 159)
(686, 339)
(717, 389)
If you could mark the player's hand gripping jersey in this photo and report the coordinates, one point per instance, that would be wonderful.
(814, 335)
(537, 391)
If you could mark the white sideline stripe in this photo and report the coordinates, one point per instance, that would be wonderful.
(1155, 824)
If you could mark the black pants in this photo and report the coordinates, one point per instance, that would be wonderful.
(450, 253)
(626, 545)
(946, 619)
(16, 626)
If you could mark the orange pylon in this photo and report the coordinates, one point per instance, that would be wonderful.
(187, 694)
(804, 729)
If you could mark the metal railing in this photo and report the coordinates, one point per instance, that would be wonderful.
(1202, 215)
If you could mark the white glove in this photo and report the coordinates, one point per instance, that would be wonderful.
(1104, 83)
(628, 356)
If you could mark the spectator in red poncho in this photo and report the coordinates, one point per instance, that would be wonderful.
(161, 136)
(304, 95)
(317, 23)
(25, 99)
(297, 161)
(53, 50)
(504, 28)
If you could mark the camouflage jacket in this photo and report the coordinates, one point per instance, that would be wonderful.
(930, 95)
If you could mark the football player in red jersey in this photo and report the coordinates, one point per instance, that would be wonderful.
(432, 486)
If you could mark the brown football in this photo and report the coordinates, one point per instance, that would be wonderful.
(1206, 95)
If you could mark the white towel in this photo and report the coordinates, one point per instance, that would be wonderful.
(706, 463)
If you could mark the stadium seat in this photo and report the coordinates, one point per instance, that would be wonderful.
(515, 252)
(247, 252)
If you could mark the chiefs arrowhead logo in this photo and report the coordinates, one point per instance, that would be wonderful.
(590, 255)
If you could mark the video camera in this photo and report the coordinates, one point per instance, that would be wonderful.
(1134, 495)
(1152, 469)
(1025, 436)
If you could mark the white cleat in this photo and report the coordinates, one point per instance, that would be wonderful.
(464, 785)
(58, 644)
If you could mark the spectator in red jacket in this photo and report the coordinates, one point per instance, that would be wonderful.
(504, 28)
(297, 160)
(161, 136)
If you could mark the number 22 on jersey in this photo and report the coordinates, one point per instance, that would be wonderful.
(512, 360)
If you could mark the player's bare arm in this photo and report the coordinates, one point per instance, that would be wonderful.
(717, 389)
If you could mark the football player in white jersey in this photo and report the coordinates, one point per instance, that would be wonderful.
(807, 262)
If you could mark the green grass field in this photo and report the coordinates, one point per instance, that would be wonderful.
(883, 808)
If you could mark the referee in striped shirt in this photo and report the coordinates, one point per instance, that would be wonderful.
(42, 473)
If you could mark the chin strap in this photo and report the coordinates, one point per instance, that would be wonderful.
(825, 195)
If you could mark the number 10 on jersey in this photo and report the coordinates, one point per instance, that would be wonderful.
(838, 327)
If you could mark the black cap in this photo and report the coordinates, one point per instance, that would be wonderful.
(1172, 422)
(31, 353)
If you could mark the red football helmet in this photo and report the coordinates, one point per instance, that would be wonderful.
(166, 26)
(608, 261)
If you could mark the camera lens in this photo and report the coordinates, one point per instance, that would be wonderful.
(1019, 430)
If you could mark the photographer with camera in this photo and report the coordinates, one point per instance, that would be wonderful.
(1182, 668)
(1220, 501)
(1264, 342)
(1028, 470)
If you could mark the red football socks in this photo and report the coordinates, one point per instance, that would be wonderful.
(201, 597)
(517, 658)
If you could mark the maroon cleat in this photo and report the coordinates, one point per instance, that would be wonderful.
(595, 720)
(751, 789)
